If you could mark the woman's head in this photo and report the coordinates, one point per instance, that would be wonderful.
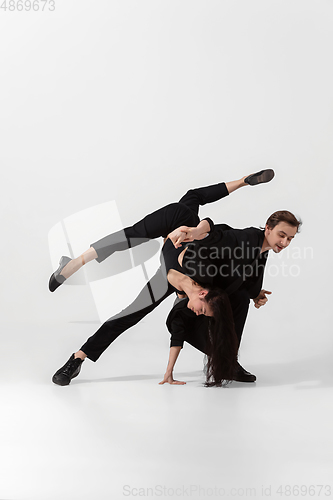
(198, 302)
(222, 342)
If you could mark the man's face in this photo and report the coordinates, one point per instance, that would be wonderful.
(280, 236)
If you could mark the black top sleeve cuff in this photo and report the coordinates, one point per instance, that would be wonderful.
(176, 343)
(210, 222)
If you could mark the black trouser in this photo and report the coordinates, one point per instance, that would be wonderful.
(159, 223)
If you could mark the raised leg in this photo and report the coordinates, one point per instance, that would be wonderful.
(75, 264)
(209, 194)
(157, 224)
(194, 198)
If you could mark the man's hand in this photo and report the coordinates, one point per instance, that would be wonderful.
(168, 378)
(261, 299)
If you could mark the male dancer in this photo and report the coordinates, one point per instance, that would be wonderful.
(234, 260)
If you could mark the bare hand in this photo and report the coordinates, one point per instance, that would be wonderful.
(168, 378)
(261, 299)
(180, 235)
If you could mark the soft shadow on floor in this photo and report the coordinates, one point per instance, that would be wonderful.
(130, 378)
(309, 373)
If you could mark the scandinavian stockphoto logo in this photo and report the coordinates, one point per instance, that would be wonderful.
(118, 280)
(244, 262)
(225, 262)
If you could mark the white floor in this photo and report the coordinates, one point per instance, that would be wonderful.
(115, 433)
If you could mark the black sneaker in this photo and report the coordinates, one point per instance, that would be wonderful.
(242, 375)
(260, 177)
(70, 370)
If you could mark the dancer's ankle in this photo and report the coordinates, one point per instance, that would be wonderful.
(80, 354)
(72, 267)
(242, 183)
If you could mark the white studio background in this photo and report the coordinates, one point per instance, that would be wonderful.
(138, 101)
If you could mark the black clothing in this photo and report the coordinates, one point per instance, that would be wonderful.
(228, 258)
(159, 223)
(169, 259)
(162, 221)
(156, 290)
(185, 326)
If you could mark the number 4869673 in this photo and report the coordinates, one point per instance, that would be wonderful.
(20, 5)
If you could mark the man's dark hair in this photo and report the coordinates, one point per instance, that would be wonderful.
(283, 216)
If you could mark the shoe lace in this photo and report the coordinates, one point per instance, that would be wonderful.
(71, 367)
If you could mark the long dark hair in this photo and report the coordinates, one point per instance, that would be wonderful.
(223, 343)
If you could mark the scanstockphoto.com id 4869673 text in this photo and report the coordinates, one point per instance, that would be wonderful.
(27, 6)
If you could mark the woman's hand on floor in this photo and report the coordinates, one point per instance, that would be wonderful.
(168, 378)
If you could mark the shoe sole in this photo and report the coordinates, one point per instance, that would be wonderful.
(245, 381)
(65, 383)
(59, 382)
(260, 177)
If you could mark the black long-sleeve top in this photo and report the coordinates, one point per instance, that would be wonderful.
(229, 259)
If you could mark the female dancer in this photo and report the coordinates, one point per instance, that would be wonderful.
(202, 299)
